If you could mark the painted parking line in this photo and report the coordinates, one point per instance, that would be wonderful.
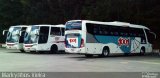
(125, 62)
(134, 61)
(146, 62)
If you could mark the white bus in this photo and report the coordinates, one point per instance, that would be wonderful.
(102, 38)
(15, 37)
(40, 38)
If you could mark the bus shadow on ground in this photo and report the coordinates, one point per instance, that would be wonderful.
(39, 53)
(117, 56)
(82, 57)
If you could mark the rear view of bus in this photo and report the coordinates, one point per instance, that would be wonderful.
(15, 35)
(74, 37)
(41, 38)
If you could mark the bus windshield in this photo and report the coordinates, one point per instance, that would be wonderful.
(74, 25)
(12, 36)
(30, 36)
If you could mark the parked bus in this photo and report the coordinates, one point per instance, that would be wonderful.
(103, 38)
(15, 37)
(40, 38)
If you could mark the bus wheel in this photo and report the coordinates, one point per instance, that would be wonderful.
(41, 52)
(142, 51)
(88, 55)
(126, 54)
(32, 51)
(54, 49)
(105, 52)
(22, 51)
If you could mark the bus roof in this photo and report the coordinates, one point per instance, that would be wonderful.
(59, 25)
(21, 26)
(115, 23)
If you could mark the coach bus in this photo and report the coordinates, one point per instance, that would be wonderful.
(103, 38)
(41, 38)
(15, 37)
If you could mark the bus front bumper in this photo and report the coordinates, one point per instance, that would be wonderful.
(29, 47)
(13, 47)
(75, 50)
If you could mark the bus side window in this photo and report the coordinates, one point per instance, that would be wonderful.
(121, 31)
(115, 31)
(142, 35)
(55, 31)
(90, 28)
(100, 30)
(133, 31)
(43, 37)
(111, 30)
(62, 31)
(96, 30)
(24, 28)
(106, 30)
(21, 39)
(126, 30)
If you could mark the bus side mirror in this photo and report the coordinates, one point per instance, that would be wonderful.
(153, 35)
(5, 32)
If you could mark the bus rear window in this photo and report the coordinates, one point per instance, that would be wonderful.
(74, 25)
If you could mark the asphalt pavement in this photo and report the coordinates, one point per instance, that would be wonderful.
(15, 61)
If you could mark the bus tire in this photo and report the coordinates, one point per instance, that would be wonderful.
(41, 52)
(54, 49)
(126, 54)
(32, 51)
(142, 51)
(88, 55)
(22, 51)
(105, 52)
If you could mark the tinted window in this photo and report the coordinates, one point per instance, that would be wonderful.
(94, 29)
(62, 30)
(142, 35)
(74, 25)
(136, 32)
(97, 29)
(114, 30)
(110, 30)
(21, 40)
(55, 31)
(43, 34)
